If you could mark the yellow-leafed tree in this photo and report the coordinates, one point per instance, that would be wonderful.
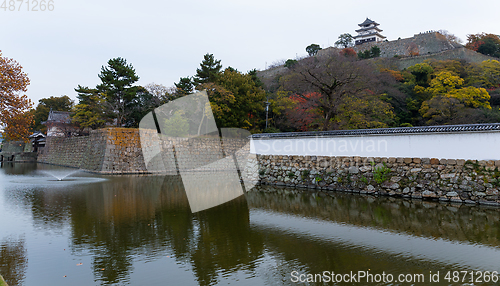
(447, 84)
(14, 105)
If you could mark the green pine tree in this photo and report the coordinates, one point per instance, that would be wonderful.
(184, 87)
(209, 70)
(117, 84)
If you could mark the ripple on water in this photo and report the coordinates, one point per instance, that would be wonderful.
(44, 181)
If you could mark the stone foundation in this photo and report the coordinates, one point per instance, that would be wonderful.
(451, 180)
(107, 151)
(123, 151)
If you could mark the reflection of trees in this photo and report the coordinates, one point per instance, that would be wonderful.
(128, 216)
(13, 261)
(150, 216)
(225, 241)
(146, 216)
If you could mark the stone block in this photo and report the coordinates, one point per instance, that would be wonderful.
(460, 162)
(365, 168)
(434, 161)
(443, 161)
(390, 185)
(428, 194)
(417, 160)
(451, 162)
(407, 160)
(396, 179)
(353, 170)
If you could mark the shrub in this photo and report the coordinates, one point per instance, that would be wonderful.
(381, 174)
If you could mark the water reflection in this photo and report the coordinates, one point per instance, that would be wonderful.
(454, 222)
(13, 261)
(259, 238)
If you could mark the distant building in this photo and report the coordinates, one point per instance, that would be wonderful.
(369, 32)
(59, 124)
(37, 140)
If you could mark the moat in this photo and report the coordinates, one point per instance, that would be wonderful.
(139, 230)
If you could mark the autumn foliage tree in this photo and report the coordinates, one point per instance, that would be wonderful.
(348, 52)
(452, 91)
(335, 81)
(487, 44)
(14, 105)
(303, 114)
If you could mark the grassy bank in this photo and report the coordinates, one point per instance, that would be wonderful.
(2, 282)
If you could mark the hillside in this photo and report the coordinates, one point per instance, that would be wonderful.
(427, 46)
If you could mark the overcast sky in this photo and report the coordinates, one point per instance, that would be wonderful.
(166, 40)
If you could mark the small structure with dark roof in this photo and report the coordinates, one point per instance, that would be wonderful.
(59, 124)
(37, 140)
(369, 32)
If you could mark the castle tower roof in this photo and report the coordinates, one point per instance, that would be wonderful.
(368, 22)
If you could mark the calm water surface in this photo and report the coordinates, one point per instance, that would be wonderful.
(139, 230)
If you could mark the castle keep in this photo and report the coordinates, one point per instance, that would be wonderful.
(369, 32)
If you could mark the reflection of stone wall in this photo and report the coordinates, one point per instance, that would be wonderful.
(447, 220)
(469, 181)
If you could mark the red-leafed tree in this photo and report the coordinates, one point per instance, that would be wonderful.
(487, 44)
(304, 115)
(326, 84)
(348, 52)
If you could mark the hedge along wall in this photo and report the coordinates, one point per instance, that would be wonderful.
(406, 163)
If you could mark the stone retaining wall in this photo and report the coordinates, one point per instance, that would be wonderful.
(13, 146)
(452, 180)
(16, 151)
(120, 151)
(428, 43)
(455, 54)
(110, 150)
